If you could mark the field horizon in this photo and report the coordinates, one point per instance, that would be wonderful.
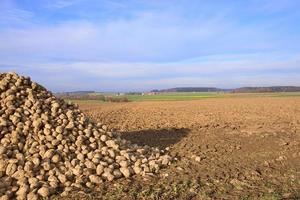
(149, 100)
(184, 96)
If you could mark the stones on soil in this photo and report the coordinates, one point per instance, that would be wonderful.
(48, 145)
(196, 158)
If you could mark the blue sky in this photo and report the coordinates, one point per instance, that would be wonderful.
(110, 45)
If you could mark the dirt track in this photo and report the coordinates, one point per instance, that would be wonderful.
(249, 148)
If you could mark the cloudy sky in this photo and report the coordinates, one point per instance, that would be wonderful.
(111, 45)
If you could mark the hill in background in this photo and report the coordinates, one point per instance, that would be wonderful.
(191, 89)
(236, 90)
(266, 89)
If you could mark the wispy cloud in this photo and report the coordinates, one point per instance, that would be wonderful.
(226, 71)
(269, 7)
(116, 44)
(16, 15)
(12, 15)
(61, 3)
(139, 39)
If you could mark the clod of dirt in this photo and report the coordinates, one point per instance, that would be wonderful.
(48, 145)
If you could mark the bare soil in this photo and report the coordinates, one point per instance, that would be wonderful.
(249, 148)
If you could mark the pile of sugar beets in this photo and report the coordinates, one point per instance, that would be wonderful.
(48, 147)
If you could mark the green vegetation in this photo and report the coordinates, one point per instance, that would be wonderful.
(180, 96)
(174, 96)
(270, 94)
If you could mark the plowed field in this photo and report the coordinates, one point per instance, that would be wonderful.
(227, 148)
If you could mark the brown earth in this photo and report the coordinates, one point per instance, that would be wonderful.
(247, 148)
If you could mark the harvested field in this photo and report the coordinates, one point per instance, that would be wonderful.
(229, 148)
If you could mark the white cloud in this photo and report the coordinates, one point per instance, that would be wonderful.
(58, 4)
(214, 64)
(269, 7)
(149, 48)
(227, 72)
(11, 15)
(149, 36)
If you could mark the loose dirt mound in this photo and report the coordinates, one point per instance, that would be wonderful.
(48, 146)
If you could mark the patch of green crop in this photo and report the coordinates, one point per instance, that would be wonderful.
(184, 96)
(175, 96)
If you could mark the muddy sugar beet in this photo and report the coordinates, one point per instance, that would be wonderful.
(48, 145)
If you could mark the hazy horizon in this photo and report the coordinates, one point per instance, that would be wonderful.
(128, 91)
(139, 45)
